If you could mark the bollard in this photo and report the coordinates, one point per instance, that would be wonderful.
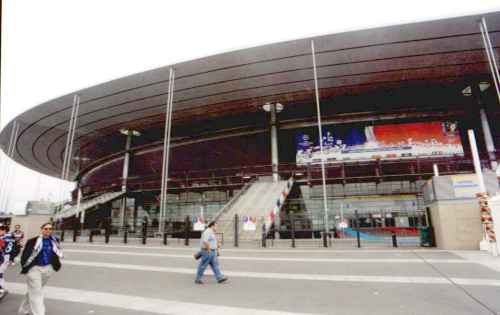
(144, 233)
(75, 231)
(186, 231)
(236, 221)
(91, 236)
(107, 232)
(325, 239)
(358, 238)
(125, 236)
(62, 235)
(394, 240)
(264, 235)
(165, 238)
(293, 229)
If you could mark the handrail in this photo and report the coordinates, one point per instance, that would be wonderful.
(233, 200)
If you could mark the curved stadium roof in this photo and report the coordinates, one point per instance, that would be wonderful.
(440, 51)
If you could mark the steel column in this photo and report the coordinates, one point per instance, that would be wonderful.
(490, 53)
(166, 150)
(320, 136)
(5, 188)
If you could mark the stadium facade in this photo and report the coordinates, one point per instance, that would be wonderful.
(395, 101)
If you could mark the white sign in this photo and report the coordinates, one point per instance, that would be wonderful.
(465, 186)
(198, 224)
(343, 225)
(249, 223)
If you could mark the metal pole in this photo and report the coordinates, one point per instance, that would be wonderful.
(236, 232)
(477, 161)
(490, 53)
(6, 190)
(10, 169)
(68, 138)
(66, 152)
(358, 238)
(274, 143)
(320, 136)
(166, 150)
(72, 136)
(5, 168)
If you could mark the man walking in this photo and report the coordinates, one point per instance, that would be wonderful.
(209, 253)
(40, 258)
(7, 255)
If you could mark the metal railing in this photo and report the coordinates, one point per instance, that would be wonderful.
(233, 200)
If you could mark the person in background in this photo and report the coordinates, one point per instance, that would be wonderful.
(18, 236)
(209, 252)
(7, 255)
(41, 257)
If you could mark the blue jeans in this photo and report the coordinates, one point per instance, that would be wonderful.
(209, 258)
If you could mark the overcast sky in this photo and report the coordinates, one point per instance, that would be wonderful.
(53, 47)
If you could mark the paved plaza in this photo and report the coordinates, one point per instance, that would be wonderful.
(136, 279)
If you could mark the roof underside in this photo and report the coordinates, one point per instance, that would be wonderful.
(440, 51)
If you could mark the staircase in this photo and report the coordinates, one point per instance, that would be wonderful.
(258, 201)
(87, 204)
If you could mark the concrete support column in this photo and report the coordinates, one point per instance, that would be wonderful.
(488, 138)
(274, 143)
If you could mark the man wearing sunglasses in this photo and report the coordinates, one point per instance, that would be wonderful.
(41, 257)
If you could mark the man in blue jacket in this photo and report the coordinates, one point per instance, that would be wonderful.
(41, 257)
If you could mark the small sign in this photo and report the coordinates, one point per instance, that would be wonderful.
(465, 186)
(198, 224)
(249, 223)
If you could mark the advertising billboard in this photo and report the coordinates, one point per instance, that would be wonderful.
(385, 142)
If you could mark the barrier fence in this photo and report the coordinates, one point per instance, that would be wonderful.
(295, 231)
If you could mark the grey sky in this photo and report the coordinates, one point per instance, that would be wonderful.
(53, 47)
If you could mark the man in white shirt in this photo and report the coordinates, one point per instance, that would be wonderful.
(209, 247)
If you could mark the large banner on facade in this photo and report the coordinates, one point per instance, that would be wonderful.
(395, 141)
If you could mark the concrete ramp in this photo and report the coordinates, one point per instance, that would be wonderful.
(258, 202)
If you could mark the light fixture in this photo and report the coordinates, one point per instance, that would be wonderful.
(299, 174)
(126, 132)
(267, 107)
(483, 86)
(467, 91)
(81, 158)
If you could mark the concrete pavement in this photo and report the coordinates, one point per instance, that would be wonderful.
(136, 279)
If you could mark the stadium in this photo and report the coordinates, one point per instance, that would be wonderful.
(396, 103)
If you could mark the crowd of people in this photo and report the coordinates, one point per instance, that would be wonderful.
(41, 255)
